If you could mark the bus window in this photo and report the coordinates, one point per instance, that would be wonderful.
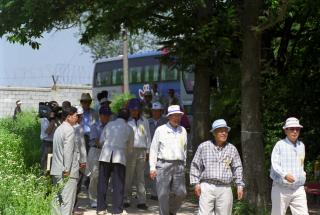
(117, 76)
(103, 78)
(151, 73)
(169, 74)
(135, 74)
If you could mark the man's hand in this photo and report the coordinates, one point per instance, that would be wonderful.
(153, 174)
(83, 165)
(66, 173)
(289, 178)
(197, 190)
(240, 192)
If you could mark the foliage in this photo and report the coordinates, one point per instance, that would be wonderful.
(102, 47)
(22, 191)
(119, 101)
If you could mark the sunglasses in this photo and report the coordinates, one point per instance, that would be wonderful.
(294, 129)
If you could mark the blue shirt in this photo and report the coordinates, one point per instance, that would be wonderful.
(87, 121)
(96, 130)
(288, 158)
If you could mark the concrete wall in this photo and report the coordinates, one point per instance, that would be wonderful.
(31, 97)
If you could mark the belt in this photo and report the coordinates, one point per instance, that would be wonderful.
(215, 182)
(95, 146)
(170, 161)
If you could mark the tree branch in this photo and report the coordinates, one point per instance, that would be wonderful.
(273, 20)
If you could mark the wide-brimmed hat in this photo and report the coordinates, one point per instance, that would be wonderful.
(292, 122)
(219, 123)
(85, 97)
(156, 106)
(174, 109)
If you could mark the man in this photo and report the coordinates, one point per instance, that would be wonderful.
(154, 122)
(287, 172)
(48, 126)
(89, 117)
(214, 167)
(94, 152)
(147, 104)
(17, 109)
(139, 155)
(81, 145)
(167, 162)
(118, 139)
(172, 99)
(65, 163)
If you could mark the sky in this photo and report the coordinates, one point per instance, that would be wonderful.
(59, 55)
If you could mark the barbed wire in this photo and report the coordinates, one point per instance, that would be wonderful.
(66, 74)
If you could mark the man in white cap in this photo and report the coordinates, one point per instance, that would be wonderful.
(154, 122)
(214, 167)
(17, 109)
(167, 162)
(287, 172)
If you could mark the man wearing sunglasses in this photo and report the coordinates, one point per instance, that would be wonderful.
(287, 172)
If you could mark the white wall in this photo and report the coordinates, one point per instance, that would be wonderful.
(31, 96)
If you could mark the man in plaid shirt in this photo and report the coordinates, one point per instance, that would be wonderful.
(214, 167)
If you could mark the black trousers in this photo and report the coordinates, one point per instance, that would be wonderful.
(117, 171)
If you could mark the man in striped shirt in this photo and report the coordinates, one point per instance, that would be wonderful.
(287, 172)
(214, 167)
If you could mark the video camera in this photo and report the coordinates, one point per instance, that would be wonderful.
(49, 110)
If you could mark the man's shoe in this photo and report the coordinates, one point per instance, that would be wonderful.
(155, 198)
(142, 206)
(101, 212)
(126, 205)
(93, 205)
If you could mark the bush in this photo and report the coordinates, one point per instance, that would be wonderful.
(22, 190)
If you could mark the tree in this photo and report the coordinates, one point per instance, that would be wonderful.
(102, 47)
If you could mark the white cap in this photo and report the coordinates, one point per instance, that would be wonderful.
(174, 109)
(79, 110)
(292, 122)
(19, 102)
(219, 123)
(157, 106)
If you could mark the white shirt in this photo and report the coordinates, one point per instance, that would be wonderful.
(142, 137)
(118, 137)
(168, 143)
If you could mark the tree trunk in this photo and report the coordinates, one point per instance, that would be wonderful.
(201, 101)
(251, 128)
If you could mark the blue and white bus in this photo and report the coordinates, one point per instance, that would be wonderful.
(144, 70)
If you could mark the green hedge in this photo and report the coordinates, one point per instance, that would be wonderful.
(22, 189)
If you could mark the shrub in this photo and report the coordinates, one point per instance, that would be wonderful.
(22, 190)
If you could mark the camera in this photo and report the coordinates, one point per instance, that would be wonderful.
(49, 110)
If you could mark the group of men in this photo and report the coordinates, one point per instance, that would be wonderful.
(120, 147)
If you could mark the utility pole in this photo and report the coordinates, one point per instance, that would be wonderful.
(125, 60)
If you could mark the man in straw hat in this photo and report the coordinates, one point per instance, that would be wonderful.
(167, 162)
(287, 172)
(214, 167)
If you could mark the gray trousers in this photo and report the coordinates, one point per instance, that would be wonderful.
(136, 162)
(171, 186)
(215, 199)
(64, 202)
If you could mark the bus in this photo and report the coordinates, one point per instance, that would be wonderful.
(145, 69)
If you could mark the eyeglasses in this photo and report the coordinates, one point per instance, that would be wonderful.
(294, 129)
